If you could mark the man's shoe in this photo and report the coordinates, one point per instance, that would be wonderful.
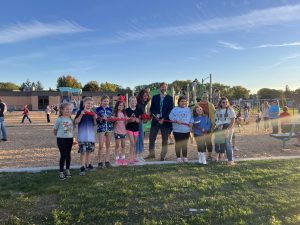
(162, 159)
(108, 165)
(150, 156)
(3, 139)
(101, 165)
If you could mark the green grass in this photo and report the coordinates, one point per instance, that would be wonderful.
(259, 192)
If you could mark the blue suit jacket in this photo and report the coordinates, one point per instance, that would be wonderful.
(166, 109)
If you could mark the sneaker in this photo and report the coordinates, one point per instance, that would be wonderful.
(204, 158)
(141, 159)
(3, 139)
(108, 165)
(162, 159)
(90, 167)
(185, 160)
(62, 176)
(179, 160)
(101, 165)
(136, 160)
(230, 163)
(200, 160)
(119, 162)
(124, 162)
(131, 162)
(82, 171)
(150, 156)
(68, 173)
(235, 148)
(171, 143)
(209, 158)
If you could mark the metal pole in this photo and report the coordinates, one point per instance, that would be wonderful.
(188, 92)
(210, 87)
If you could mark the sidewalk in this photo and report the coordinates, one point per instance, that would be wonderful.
(40, 169)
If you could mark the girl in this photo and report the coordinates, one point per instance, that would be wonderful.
(86, 120)
(120, 133)
(48, 112)
(246, 115)
(220, 142)
(202, 125)
(181, 132)
(132, 126)
(105, 130)
(143, 99)
(265, 115)
(225, 116)
(63, 130)
(26, 114)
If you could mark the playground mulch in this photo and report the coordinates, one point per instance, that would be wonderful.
(35, 146)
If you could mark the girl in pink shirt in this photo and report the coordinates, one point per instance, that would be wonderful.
(120, 133)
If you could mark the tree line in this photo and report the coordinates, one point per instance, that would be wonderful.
(232, 92)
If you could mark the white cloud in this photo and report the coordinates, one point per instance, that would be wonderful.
(279, 45)
(24, 31)
(254, 19)
(231, 45)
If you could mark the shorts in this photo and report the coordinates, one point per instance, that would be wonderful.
(86, 147)
(105, 132)
(134, 133)
(120, 136)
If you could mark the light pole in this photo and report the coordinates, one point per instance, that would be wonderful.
(210, 85)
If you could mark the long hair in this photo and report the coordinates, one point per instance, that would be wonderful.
(220, 102)
(140, 96)
(117, 106)
(62, 106)
(194, 110)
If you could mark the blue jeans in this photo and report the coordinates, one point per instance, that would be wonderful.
(140, 141)
(2, 128)
(229, 152)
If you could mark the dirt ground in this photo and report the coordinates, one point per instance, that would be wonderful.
(35, 145)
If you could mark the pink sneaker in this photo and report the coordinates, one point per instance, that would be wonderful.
(131, 162)
(185, 160)
(136, 160)
(119, 162)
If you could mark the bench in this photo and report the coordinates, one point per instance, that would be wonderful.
(285, 137)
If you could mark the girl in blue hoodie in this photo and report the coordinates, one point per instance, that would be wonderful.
(201, 126)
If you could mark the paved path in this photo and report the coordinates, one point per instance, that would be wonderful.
(39, 169)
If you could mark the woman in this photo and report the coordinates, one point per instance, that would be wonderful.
(265, 115)
(143, 99)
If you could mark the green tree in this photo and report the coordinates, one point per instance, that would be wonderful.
(91, 86)
(180, 84)
(39, 86)
(240, 92)
(68, 81)
(225, 90)
(8, 86)
(267, 93)
(109, 87)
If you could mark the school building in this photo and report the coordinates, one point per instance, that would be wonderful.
(38, 100)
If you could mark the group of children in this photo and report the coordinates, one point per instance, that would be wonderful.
(119, 122)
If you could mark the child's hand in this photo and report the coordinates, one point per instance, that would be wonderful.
(190, 125)
(137, 120)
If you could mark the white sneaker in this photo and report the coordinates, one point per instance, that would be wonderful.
(141, 159)
(235, 148)
(203, 158)
(179, 160)
(200, 158)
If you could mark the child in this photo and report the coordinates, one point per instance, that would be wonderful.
(202, 125)
(48, 112)
(134, 114)
(63, 130)
(86, 120)
(120, 133)
(246, 115)
(220, 142)
(105, 130)
(26, 114)
(285, 120)
(181, 132)
(258, 119)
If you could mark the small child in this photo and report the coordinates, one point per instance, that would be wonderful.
(285, 120)
(105, 130)
(258, 119)
(202, 125)
(220, 142)
(134, 114)
(26, 114)
(48, 112)
(120, 133)
(63, 130)
(181, 114)
(246, 115)
(86, 120)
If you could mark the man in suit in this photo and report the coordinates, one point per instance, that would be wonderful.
(161, 106)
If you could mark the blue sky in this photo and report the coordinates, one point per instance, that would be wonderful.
(253, 43)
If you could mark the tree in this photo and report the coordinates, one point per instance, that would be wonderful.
(225, 90)
(91, 86)
(109, 87)
(39, 86)
(240, 92)
(8, 86)
(68, 81)
(180, 84)
(267, 93)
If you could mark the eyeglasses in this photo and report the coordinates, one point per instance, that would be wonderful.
(223, 102)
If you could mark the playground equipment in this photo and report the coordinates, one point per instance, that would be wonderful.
(71, 95)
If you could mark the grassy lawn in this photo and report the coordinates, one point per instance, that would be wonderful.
(259, 192)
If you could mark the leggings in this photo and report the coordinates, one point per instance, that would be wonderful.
(181, 140)
(65, 147)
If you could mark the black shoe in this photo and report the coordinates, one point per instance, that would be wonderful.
(150, 156)
(82, 171)
(101, 165)
(3, 139)
(90, 167)
(209, 158)
(108, 165)
(162, 159)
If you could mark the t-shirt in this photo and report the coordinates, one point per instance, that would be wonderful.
(119, 126)
(102, 125)
(64, 127)
(86, 131)
(183, 114)
(133, 126)
(224, 115)
(2, 109)
(274, 111)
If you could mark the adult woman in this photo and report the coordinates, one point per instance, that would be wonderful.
(225, 116)
(143, 99)
(265, 114)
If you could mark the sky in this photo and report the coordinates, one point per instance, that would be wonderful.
(253, 43)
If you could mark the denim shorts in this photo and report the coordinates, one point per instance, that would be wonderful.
(120, 136)
(86, 147)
